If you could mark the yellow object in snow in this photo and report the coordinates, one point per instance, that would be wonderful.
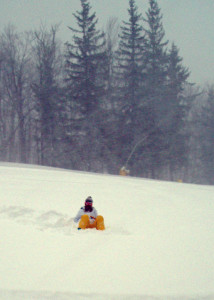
(123, 171)
(84, 223)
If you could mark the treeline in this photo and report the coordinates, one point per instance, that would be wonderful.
(105, 99)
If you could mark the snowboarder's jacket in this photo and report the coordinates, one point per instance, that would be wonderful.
(92, 214)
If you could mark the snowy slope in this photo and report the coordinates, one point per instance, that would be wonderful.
(158, 242)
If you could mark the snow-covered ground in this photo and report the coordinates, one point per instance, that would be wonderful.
(158, 242)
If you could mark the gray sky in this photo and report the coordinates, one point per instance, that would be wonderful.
(188, 23)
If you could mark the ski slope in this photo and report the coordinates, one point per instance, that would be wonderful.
(158, 242)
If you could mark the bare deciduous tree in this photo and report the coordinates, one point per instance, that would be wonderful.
(14, 85)
(47, 68)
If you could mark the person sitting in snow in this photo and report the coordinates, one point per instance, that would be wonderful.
(88, 217)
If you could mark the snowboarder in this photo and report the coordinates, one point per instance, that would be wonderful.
(88, 217)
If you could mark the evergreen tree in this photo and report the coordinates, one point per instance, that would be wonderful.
(177, 74)
(111, 36)
(207, 138)
(130, 78)
(83, 61)
(156, 77)
(85, 69)
(155, 53)
(176, 110)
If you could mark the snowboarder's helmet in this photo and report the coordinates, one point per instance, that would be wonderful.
(89, 201)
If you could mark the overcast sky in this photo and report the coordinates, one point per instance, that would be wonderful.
(188, 23)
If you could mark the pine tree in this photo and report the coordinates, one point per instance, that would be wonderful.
(177, 74)
(176, 110)
(85, 71)
(207, 138)
(130, 77)
(156, 76)
(83, 61)
(156, 58)
(111, 36)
